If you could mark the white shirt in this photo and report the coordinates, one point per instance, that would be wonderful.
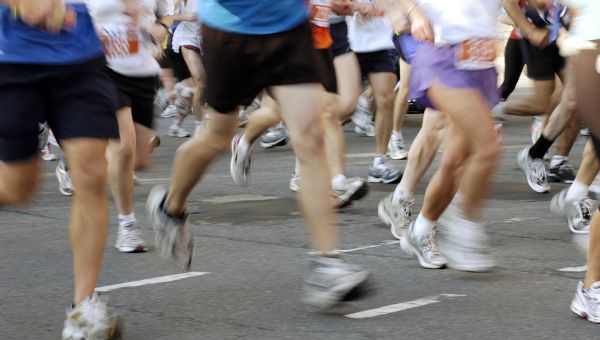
(187, 32)
(587, 24)
(369, 35)
(129, 50)
(455, 21)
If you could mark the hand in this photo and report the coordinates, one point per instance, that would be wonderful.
(342, 7)
(400, 23)
(45, 14)
(159, 54)
(134, 10)
(159, 33)
(538, 37)
(189, 16)
(420, 27)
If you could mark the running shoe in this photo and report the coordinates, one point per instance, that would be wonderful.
(586, 302)
(536, 129)
(90, 321)
(363, 124)
(241, 162)
(353, 189)
(397, 150)
(295, 182)
(65, 184)
(424, 249)
(397, 216)
(178, 131)
(276, 136)
(535, 171)
(161, 101)
(129, 240)
(43, 135)
(330, 281)
(169, 112)
(464, 243)
(173, 236)
(384, 173)
(562, 172)
(48, 154)
(584, 132)
(578, 213)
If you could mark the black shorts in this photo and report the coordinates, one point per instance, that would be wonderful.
(339, 34)
(180, 69)
(376, 62)
(238, 66)
(542, 64)
(327, 70)
(77, 101)
(138, 94)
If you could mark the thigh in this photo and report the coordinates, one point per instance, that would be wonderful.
(23, 108)
(83, 102)
(383, 85)
(194, 62)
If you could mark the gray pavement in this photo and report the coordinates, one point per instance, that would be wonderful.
(254, 244)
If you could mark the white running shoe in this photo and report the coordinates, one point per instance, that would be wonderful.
(464, 243)
(169, 112)
(276, 136)
(65, 184)
(424, 249)
(586, 302)
(385, 173)
(90, 321)
(295, 182)
(161, 101)
(178, 131)
(578, 213)
(397, 150)
(397, 216)
(48, 154)
(241, 162)
(245, 113)
(173, 235)
(330, 281)
(353, 189)
(535, 171)
(129, 240)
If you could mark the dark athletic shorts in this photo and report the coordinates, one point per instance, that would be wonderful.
(138, 94)
(77, 101)
(542, 64)
(238, 66)
(327, 70)
(376, 62)
(176, 62)
(339, 34)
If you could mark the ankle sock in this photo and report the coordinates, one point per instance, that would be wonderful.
(423, 226)
(126, 220)
(540, 148)
(577, 191)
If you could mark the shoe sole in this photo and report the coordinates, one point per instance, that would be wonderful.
(232, 163)
(360, 193)
(555, 179)
(271, 145)
(398, 158)
(351, 291)
(61, 186)
(410, 250)
(381, 180)
(136, 250)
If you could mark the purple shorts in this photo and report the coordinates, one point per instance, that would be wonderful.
(437, 63)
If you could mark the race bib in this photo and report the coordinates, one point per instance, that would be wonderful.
(475, 54)
(119, 42)
(321, 10)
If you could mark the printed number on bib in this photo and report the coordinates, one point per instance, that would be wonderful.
(476, 54)
(119, 43)
(321, 9)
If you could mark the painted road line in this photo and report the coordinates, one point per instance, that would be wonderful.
(371, 313)
(573, 269)
(384, 243)
(240, 198)
(152, 281)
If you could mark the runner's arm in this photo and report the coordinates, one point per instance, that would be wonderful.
(537, 36)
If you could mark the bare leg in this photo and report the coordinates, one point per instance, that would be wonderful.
(89, 214)
(593, 272)
(534, 105)
(18, 180)
(401, 101)
(383, 90)
(333, 134)
(194, 63)
(347, 72)
(262, 119)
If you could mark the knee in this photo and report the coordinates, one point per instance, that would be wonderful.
(488, 152)
(384, 101)
(90, 175)
(308, 139)
(20, 191)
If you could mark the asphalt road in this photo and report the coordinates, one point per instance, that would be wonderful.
(253, 245)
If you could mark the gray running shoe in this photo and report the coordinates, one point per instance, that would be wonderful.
(173, 236)
(578, 213)
(397, 216)
(353, 189)
(241, 162)
(425, 249)
(90, 321)
(295, 182)
(161, 101)
(169, 112)
(384, 173)
(464, 243)
(397, 149)
(535, 171)
(330, 281)
(177, 131)
(276, 136)
(586, 302)
(562, 172)
(65, 184)
(129, 240)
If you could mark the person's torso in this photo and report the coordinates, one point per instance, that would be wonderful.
(587, 24)
(320, 11)
(369, 35)
(257, 17)
(20, 43)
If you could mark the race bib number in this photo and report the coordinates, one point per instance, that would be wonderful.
(119, 42)
(476, 54)
(321, 10)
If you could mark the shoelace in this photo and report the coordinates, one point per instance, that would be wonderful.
(131, 235)
(429, 245)
(538, 170)
(566, 167)
(585, 206)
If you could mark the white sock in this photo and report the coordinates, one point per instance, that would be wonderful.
(423, 226)
(126, 220)
(401, 194)
(556, 160)
(338, 181)
(297, 168)
(577, 191)
(379, 159)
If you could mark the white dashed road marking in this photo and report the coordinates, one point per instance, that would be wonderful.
(152, 281)
(371, 313)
